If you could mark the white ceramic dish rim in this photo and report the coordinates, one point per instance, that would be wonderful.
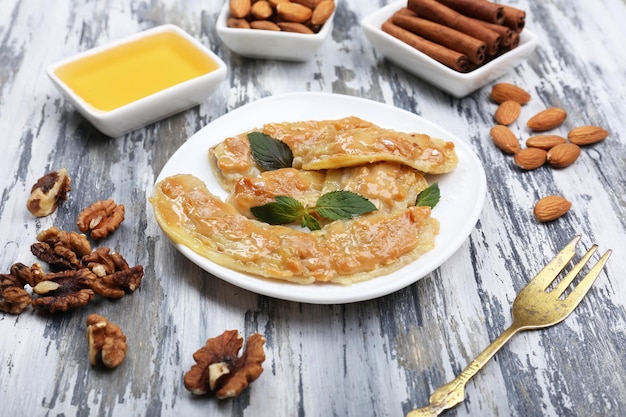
(373, 22)
(463, 190)
(102, 115)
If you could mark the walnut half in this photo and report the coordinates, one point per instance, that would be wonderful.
(219, 369)
(13, 297)
(101, 218)
(65, 290)
(114, 276)
(107, 342)
(47, 192)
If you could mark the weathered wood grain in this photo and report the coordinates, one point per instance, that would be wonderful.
(375, 358)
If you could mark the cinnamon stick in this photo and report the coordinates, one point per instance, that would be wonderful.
(506, 33)
(479, 9)
(440, 13)
(443, 35)
(453, 59)
(514, 18)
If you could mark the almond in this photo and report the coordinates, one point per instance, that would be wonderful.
(261, 10)
(547, 119)
(275, 3)
(507, 112)
(504, 139)
(530, 158)
(295, 27)
(264, 25)
(322, 12)
(293, 12)
(587, 135)
(545, 141)
(551, 208)
(504, 91)
(311, 4)
(563, 155)
(240, 8)
(237, 23)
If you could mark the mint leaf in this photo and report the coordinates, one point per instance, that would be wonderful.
(283, 210)
(429, 196)
(337, 205)
(271, 154)
(310, 222)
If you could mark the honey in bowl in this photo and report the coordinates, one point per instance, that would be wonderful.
(131, 71)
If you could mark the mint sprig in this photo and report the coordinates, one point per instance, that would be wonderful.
(430, 196)
(271, 154)
(335, 205)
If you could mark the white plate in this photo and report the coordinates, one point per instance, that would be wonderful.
(462, 191)
(453, 82)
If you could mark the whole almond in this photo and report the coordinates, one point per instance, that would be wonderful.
(295, 27)
(261, 10)
(587, 135)
(322, 12)
(545, 141)
(507, 112)
(275, 3)
(530, 158)
(311, 4)
(293, 12)
(563, 155)
(551, 208)
(504, 91)
(233, 22)
(547, 119)
(240, 8)
(504, 139)
(264, 25)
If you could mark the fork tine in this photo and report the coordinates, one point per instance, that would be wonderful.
(545, 277)
(578, 293)
(560, 288)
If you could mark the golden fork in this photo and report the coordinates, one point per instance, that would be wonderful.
(541, 303)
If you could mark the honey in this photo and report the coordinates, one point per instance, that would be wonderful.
(131, 71)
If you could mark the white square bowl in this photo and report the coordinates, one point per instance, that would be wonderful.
(268, 44)
(453, 82)
(149, 108)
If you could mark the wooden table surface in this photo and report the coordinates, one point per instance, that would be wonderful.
(379, 357)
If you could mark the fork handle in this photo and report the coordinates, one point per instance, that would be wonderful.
(452, 393)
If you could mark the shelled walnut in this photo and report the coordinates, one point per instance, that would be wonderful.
(114, 277)
(65, 290)
(107, 342)
(13, 297)
(47, 192)
(101, 218)
(220, 370)
(60, 249)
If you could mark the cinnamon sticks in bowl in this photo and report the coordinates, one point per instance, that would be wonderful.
(461, 34)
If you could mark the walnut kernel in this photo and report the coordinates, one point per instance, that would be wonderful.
(64, 290)
(107, 342)
(61, 250)
(114, 277)
(101, 218)
(219, 369)
(47, 192)
(13, 297)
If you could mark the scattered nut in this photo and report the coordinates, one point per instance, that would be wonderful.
(47, 192)
(101, 218)
(114, 277)
(107, 342)
(505, 139)
(61, 250)
(502, 92)
(65, 290)
(530, 158)
(551, 208)
(507, 112)
(563, 155)
(587, 135)
(545, 141)
(219, 369)
(13, 297)
(547, 119)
